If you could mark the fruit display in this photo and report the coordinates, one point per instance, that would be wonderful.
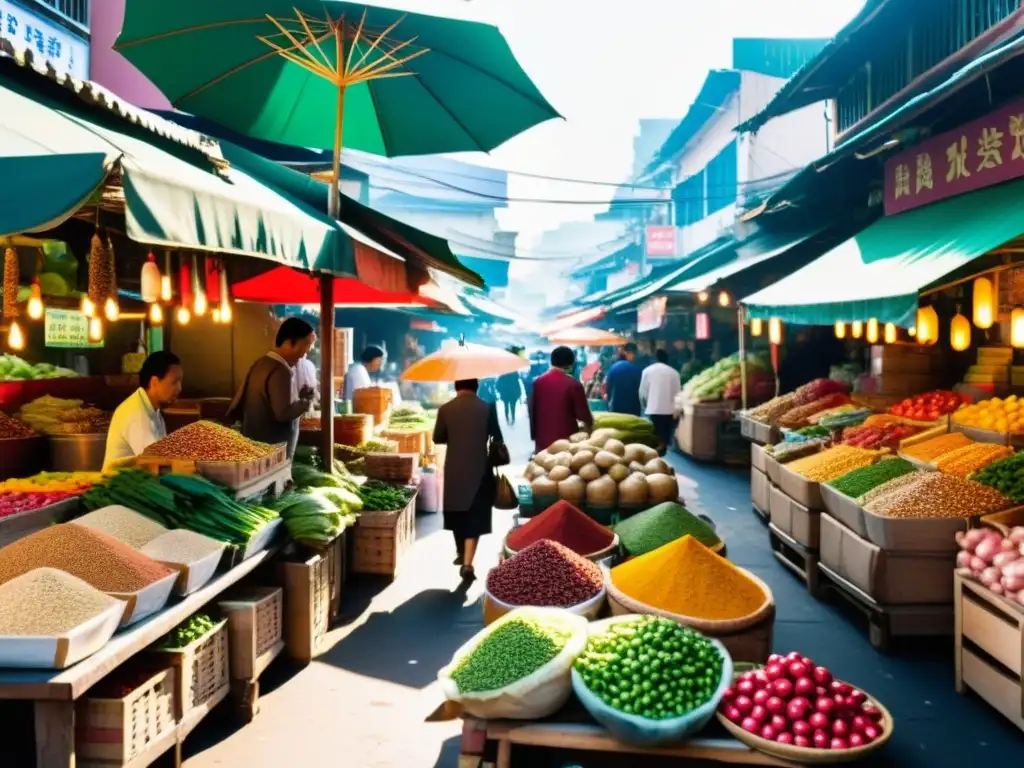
(967, 460)
(931, 406)
(997, 561)
(208, 441)
(12, 503)
(13, 368)
(996, 414)
(53, 482)
(722, 381)
(625, 428)
(317, 514)
(14, 428)
(1005, 475)
(793, 701)
(411, 418)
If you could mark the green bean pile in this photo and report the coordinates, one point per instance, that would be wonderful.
(512, 651)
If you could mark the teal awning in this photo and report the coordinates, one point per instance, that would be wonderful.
(880, 272)
(749, 255)
(714, 257)
(174, 196)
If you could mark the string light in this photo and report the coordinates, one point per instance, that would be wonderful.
(111, 310)
(702, 297)
(95, 329)
(723, 299)
(890, 333)
(88, 307)
(35, 302)
(755, 326)
(840, 329)
(856, 329)
(156, 314)
(15, 338)
(183, 316)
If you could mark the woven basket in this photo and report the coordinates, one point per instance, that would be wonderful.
(611, 549)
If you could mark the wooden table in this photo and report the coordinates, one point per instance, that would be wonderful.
(53, 692)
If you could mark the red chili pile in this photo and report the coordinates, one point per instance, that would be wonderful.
(564, 523)
(545, 574)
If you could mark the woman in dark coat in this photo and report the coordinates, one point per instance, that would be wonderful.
(466, 424)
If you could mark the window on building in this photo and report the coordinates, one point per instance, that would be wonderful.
(689, 199)
(722, 173)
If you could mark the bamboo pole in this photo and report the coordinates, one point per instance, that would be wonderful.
(743, 356)
(327, 371)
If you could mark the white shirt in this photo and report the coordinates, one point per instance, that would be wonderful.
(659, 386)
(135, 425)
(356, 378)
(305, 374)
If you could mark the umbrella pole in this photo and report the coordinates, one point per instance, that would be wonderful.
(743, 355)
(327, 366)
(334, 200)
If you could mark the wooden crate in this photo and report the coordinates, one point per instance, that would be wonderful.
(382, 539)
(408, 442)
(255, 629)
(393, 467)
(201, 673)
(233, 474)
(353, 428)
(307, 587)
(126, 730)
(375, 401)
(989, 636)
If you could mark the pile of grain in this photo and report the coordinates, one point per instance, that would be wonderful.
(48, 603)
(123, 524)
(208, 441)
(98, 559)
(181, 546)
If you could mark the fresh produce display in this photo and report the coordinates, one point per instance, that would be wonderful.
(930, 450)
(723, 377)
(817, 389)
(98, 559)
(56, 416)
(11, 427)
(127, 525)
(791, 450)
(378, 446)
(939, 496)
(565, 524)
(52, 482)
(889, 486)
(378, 496)
(624, 428)
(181, 546)
(776, 408)
(773, 410)
(411, 418)
(995, 414)
(969, 459)
(545, 574)
(13, 503)
(858, 482)
(877, 435)
(13, 368)
(686, 578)
(517, 648)
(651, 667)
(931, 406)
(123, 680)
(305, 476)
(196, 627)
(997, 561)
(845, 419)
(208, 441)
(1005, 475)
(795, 702)
(832, 463)
(317, 514)
(47, 602)
(798, 416)
(660, 525)
(839, 410)
(602, 472)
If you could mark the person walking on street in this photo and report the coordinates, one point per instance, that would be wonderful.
(467, 424)
(510, 390)
(558, 405)
(623, 383)
(659, 385)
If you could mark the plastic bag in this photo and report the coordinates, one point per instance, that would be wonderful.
(539, 694)
(640, 730)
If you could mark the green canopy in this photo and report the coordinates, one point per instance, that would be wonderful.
(745, 257)
(880, 272)
(49, 188)
(718, 253)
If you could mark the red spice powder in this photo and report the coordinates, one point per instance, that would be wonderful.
(564, 523)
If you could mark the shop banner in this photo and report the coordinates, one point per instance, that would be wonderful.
(67, 329)
(703, 329)
(984, 152)
(661, 241)
(65, 51)
(650, 315)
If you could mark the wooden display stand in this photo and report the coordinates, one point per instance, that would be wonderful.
(307, 617)
(381, 540)
(255, 626)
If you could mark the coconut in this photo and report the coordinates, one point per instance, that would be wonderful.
(662, 488)
(633, 491)
(606, 460)
(590, 472)
(635, 452)
(647, 453)
(618, 473)
(531, 471)
(558, 446)
(559, 473)
(562, 459)
(573, 490)
(544, 488)
(602, 436)
(580, 460)
(579, 437)
(602, 493)
(615, 446)
(656, 467)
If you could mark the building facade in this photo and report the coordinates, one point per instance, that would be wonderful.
(55, 31)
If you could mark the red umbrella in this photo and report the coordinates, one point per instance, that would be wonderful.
(284, 285)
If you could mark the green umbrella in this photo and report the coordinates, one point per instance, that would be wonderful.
(315, 73)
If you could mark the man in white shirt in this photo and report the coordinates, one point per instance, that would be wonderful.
(137, 423)
(659, 386)
(358, 375)
(305, 379)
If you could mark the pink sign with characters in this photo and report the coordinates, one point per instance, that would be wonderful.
(986, 151)
(661, 241)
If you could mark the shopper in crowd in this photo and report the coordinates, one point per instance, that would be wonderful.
(623, 383)
(558, 404)
(510, 390)
(358, 376)
(467, 424)
(659, 385)
(138, 423)
(269, 403)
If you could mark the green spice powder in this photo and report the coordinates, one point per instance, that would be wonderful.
(511, 652)
(860, 481)
(660, 525)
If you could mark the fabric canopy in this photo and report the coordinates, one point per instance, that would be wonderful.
(572, 319)
(490, 309)
(760, 250)
(283, 285)
(879, 272)
(713, 257)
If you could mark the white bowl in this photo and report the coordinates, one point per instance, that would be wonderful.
(34, 652)
(147, 600)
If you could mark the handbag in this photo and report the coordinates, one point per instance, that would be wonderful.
(505, 496)
(497, 454)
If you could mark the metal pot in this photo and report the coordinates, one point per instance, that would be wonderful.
(78, 453)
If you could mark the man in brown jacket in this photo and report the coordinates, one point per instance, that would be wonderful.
(267, 403)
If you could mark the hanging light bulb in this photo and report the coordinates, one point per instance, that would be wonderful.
(88, 307)
(151, 280)
(912, 332)
(35, 301)
(166, 289)
(225, 312)
(723, 299)
(927, 325)
(95, 329)
(984, 303)
(775, 331)
(183, 315)
(199, 302)
(156, 314)
(1017, 327)
(200, 306)
(702, 297)
(872, 333)
(110, 309)
(890, 333)
(225, 296)
(755, 326)
(959, 332)
(15, 338)
(840, 329)
(856, 329)
(216, 314)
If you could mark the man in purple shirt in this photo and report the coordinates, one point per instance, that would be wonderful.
(558, 404)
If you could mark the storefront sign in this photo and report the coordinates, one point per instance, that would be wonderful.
(48, 41)
(661, 241)
(703, 329)
(986, 151)
(650, 315)
(67, 329)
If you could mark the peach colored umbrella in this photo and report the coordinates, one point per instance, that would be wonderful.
(585, 337)
(457, 360)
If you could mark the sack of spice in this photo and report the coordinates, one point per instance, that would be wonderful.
(519, 667)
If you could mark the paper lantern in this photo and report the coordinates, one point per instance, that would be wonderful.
(755, 326)
(150, 280)
(984, 303)
(960, 333)
(927, 325)
(856, 329)
(723, 299)
(166, 287)
(1017, 327)
(183, 316)
(840, 329)
(35, 301)
(872, 333)
(111, 310)
(890, 333)
(15, 338)
(702, 296)
(775, 331)
(703, 326)
(95, 329)
(156, 314)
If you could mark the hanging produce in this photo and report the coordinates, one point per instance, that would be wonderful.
(150, 280)
(100, 274)
(11, 279)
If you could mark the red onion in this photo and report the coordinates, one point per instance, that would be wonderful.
(822, 676)
(1017, 534)
(775, 705)
(987, 549)
(977, 564)
(801, 741)
(801, 728)
(991, 575)
(838, 743)
(774, 658)
(860, 722)
(997, 589)
(743, 704)
(972, 538)
(871, 712)
(963, 559)
(768, 733)
(820, 740)
(783, 688)
(1012, 583)
(959, 536)
(793, 656)
(729, 695)
(859, 697)
(837, 686)
(784, 738)
(1007, 546)
(750, 725)
(819, 720)
(805, 686)
(825, 705)
(761, 679)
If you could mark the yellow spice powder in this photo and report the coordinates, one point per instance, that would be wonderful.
(835, 462)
